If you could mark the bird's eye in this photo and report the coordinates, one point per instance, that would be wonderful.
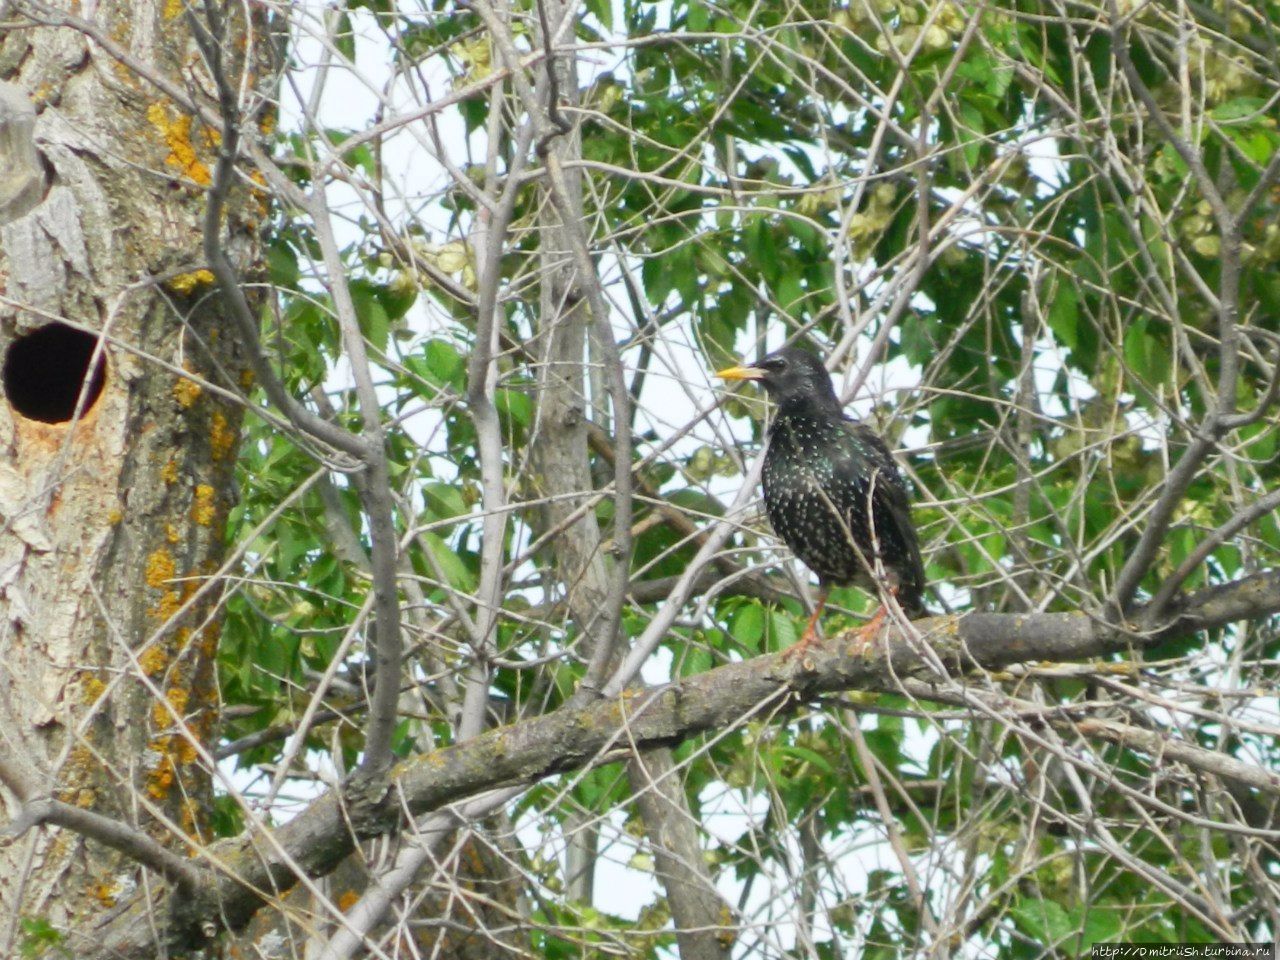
(774, 363)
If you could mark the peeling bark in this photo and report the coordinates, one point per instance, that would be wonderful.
(111, 520)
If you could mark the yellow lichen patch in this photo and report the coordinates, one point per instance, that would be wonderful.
(187, 392)
(177, 698)
(186, 283)
(177, 135)
(153, 660)
(191, 814)
(169, 472)
(183, 751)
(160, 780)
(160, 568)
(203, 508)
(86, 797)
(171, 533)
(727, 935)
(221, 437)
(167, 607)
(177, 748)
(105, 893)
(172, 9)
(91, 688)
(347, 900)
(79, 762)
(114, 516)
(160, 716)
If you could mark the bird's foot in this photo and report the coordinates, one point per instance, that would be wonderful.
(808, 640)
(865, 638)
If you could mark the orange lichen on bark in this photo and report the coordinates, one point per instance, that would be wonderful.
(177, 135)
(177, 698)
(174, 750)
(169, 472)
(167, 606)
(221, 437)
(174, 747)
(160, 780)
(91, 688)
(191, 817)
(171, 533)
(160, 568)
(347, 900)
(183, 751)
(186, 283)
(187, 392)
(204, 508)
(153, 660)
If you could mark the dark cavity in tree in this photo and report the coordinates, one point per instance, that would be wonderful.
(45, 371)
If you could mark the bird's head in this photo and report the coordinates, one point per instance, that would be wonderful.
(794, 378)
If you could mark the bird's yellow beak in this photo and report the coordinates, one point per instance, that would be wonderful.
(740, 373)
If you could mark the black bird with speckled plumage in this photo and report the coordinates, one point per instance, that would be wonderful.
(831, 488)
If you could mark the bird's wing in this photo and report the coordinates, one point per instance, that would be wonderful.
(867, 444)
(890, 491)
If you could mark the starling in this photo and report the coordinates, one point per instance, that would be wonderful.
(832, 490)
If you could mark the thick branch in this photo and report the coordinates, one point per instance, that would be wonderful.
(112, 833)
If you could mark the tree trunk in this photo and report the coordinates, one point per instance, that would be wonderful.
(114, 487)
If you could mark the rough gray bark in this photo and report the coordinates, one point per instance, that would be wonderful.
(110, 521)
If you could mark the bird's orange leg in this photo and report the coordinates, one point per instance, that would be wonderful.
(867, 635)
(810, 636)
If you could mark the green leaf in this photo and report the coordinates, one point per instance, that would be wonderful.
(602, 10)
(974, 126)
(1043, 921)
(782, 630)
(344, 37)
(1101, 926)
(806, 755)
(514, 405)
(444, 500)
(748, 626)
(1146, 353)
(1064, 315)
(374, 322)
(699, 17)
(1239, 108)
(451, 565)
(282, 265)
